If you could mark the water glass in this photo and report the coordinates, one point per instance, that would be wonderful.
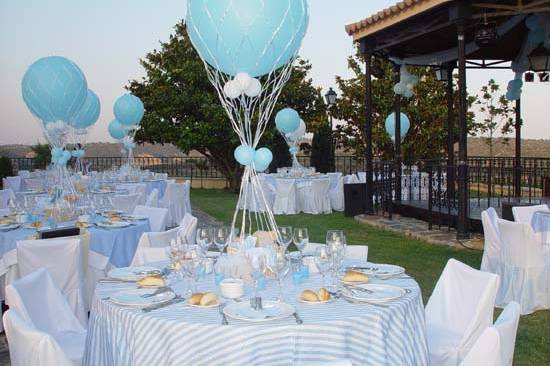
(285, 236)
(221, 238)
(282, 267)
(204, 239)
(323, 261)
(301, 239)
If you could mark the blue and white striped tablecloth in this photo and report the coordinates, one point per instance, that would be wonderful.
(182, 335)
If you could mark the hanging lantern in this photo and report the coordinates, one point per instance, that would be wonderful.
(539, 59)
(486, 33)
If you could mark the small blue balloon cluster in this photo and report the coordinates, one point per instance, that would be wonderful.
(404, 122)
(514, 89)
(536, 33)
(60, 157)
(406, 84)
(79, 153)
(247, 156)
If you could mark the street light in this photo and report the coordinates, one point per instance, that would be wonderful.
(539, 59)
(330, 98)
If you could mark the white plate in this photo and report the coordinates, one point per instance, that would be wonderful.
(315, 302)
(352, 283)
(8, 227)
(380, 293)
(134, 297)
(134, 273)
(380, 270)
(206, 306)
(113, 224)
(272, 310)
(135, 217)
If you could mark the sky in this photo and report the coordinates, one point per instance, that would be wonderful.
(106, 38)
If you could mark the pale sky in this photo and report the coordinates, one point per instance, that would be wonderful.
(106, 38)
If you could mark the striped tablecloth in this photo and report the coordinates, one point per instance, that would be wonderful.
(393, 334)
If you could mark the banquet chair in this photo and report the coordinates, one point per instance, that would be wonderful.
(157, 216)
(254, 201)
(153, 198)
(285, 198)
(507, 327)
(336, 193)
(126, 203)
(486, 351)
(188, 228)
(174, 201)
(5, 196)
(187, 197)
(351, 179)
(14, 183)
(24, 174)
(37, 300)
(360, 252)
(36, 184)
(162, 176)
(63, 258)
(151, 246)
(362, 176)
(316, 200)
(524, 214)
(29, 346)
(524, 269)
(491, 246)
(458, 311)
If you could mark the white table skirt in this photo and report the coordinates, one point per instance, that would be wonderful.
(303, 191)
(181, 335)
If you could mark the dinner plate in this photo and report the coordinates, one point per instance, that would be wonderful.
(135, 297)
(272, 310)
(205, 306)
(353, 283)
(133, 273)
(375, 293)
(315, 302)
(8, 227)
(135, 217)
(113, 224)
(380, 270)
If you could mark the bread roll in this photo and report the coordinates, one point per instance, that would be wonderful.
(195, 299)
(324, 295)
(152, 281)
(354, 276)
(309, 295)
(209, 299)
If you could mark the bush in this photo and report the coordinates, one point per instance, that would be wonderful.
(42, 156)
(6, 168)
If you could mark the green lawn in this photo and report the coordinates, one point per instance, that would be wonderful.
(422, 260)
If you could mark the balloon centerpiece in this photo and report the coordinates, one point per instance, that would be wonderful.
(292, 128)
(129, 111)
(80, 125)
(248, 48)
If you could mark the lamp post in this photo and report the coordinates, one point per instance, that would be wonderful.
(330, 98)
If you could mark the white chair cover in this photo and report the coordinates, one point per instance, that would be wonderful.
(362, 176)
(523, 268)
(5, 195)
(360, 252)
(351, 179)
(146, 255)
(507, 327)
(285, 199)
(38, 302)
(187, 197)
(524, 214)
(485, 351)
(24, 174)
(31, 347)
(33, 184)
(153, 240)
(188, 229)
(14, 183)
(174, 201)
(319, 200)
(125, 202)
(63, 259)
(253, 199)
(153, 198)
(158, 216)
(163, 176)
(458, 311)
(336, 192)
(135, 188)
(491, 247)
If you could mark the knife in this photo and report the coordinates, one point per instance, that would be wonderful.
(175, 300)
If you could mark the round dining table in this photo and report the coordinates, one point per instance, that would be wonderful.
(390, 333)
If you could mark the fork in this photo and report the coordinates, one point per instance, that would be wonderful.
(224, 318)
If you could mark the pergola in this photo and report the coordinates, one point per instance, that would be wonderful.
(442, 34)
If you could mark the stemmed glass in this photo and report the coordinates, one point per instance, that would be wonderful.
(336, 247)
(193, 267)
(301, 239)
(221, 238)
(282, 267)
(323, 261)
(258, 264)
(285, 236)
(204, 239)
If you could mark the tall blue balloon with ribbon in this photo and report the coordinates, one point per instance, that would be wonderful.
(129, 110)
(54, 89)
(88, 113)
(287, 120)
(391, 122)
(251, 36)
(117, 130)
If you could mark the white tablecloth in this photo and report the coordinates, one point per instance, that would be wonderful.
(303, 190)
(181, 335)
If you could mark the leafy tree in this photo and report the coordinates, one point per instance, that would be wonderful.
(6, 168)
(42, 155)
(498, 114)
(183, 108)
(427, 111)
(321, 149)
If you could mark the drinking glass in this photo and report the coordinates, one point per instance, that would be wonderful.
(258, 263)
(221, 238)
(285, 236)
(323, 261)
(301, 239)
(282, 267)
(204, 239)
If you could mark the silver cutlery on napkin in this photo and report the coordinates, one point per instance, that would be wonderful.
(175, 300)
(224, 318)
(158, 291)
(358, 289)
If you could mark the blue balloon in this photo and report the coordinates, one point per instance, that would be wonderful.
(54, 88)
(244, 154)
(515, 84)
(390, 125)
(252, 36)
(117, 130)
(513, 94)
(536, 36)
(287, 120)
(532, 22)
(88, 113)
(262, 159)
(129, 110)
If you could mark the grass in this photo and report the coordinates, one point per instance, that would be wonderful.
(422, 260)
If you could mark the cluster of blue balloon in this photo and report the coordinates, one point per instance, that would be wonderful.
(247, 156)
(253, 36)
(391, 125)
(514, 89)
(406, 84)
(60, 157)
(128, 111)
(287, 121)
(536, 33)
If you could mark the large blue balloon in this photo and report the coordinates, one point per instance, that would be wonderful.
(88, 113)
(262, 159)
(390, 125)
(117, 130)
(252, 36)
(54, 88)
(129, 110)
(244, 154)
(287, 120)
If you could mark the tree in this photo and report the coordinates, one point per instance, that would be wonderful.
(321, 149)
(427, 111)
(183, 108)
(42, 155)
(497, 112)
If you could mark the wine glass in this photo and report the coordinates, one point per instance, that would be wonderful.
(194, 268)
(282, 267)
(221, 238)
(258, 263)
(204, 239)
(285, 236)
(323, 261)
(301, 239)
